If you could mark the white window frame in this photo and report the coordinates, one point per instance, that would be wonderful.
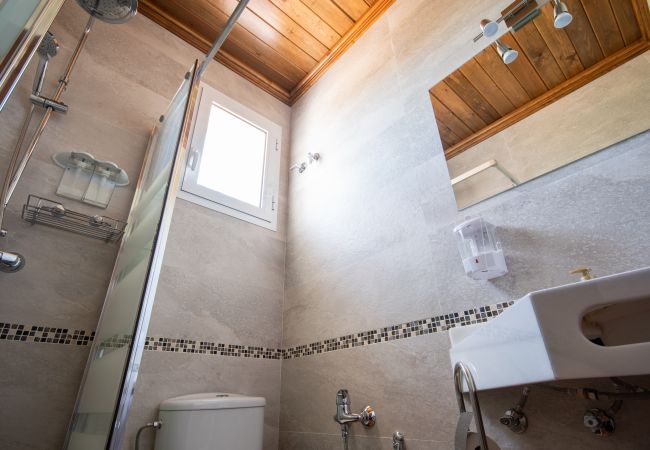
(265, 216)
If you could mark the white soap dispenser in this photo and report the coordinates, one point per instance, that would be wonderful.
(480, 250)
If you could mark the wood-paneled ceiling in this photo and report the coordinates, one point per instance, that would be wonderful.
(484, 96)
(283, 46)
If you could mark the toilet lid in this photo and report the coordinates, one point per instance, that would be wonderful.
(211, 401)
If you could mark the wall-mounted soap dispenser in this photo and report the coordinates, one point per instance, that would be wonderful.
(480, 250)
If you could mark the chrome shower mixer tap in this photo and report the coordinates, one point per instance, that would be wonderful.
(344, 416)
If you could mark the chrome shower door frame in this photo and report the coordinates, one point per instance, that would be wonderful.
(158, 252)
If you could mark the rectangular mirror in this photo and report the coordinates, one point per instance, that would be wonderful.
(541, 97)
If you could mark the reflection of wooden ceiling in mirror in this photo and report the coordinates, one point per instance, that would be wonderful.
(485, 96)
(283, 46)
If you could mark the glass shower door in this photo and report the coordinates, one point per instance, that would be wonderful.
(106, 391)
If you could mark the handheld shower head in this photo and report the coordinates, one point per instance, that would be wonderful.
(49, 47)
(110, 11)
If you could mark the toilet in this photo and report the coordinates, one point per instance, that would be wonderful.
(211, 421)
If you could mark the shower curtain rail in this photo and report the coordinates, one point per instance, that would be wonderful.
(230, 24)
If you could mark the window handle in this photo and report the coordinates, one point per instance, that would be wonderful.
(193, 159)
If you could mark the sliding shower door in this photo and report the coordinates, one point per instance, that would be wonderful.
(106, 391)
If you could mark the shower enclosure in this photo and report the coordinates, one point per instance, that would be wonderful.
(104, 398)
(106, 391)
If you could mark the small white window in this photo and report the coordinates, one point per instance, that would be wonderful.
(234, 161)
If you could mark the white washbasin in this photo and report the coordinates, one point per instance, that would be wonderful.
(545, 336)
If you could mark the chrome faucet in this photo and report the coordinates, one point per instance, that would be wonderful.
(344, 416)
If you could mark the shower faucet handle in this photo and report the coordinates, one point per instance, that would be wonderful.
(368, 417)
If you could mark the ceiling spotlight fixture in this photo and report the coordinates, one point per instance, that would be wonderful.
(507, 54)
(561, 15)
(489, 27)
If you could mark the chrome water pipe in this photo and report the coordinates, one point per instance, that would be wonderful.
(16, 169)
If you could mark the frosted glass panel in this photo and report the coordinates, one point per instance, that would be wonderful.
(14, 14)
(97, 404)
(232, 161)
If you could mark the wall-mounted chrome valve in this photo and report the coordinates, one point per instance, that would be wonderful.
(398, 441)
(599, 422)
(344, 416)
(300, 167)
(514, 418)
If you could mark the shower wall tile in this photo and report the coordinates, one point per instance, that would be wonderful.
(163, 376)
(395, 378)
(222, 279)
(310, 441)
(38, 387)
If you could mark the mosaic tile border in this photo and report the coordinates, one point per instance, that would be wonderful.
(162, 344)
(406, 330)
(42, 334)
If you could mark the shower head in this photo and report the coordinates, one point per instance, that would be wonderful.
(49, 47)
(110, 11)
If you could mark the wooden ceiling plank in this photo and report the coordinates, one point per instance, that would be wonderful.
(233, 48)
(290, 29)
(457, 105)
(191, 36)
(353, 8)
(331, 14)
(444, 115)
(309, 20)
(626, 19)
(341, 47)
(255, 76)
(539, 55)
(264, 36)
(642, 13)
(524, 70)
(498, 71)
(558, 43)
(582, 35)
(243, 38)
(448, 137)
(465, 90)
(605, 27)
(477, 76)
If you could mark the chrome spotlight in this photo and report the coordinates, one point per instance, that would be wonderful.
(561, 15)
(489, 27)
(507, 54)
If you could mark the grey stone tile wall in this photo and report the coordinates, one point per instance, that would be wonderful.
(370, 241)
